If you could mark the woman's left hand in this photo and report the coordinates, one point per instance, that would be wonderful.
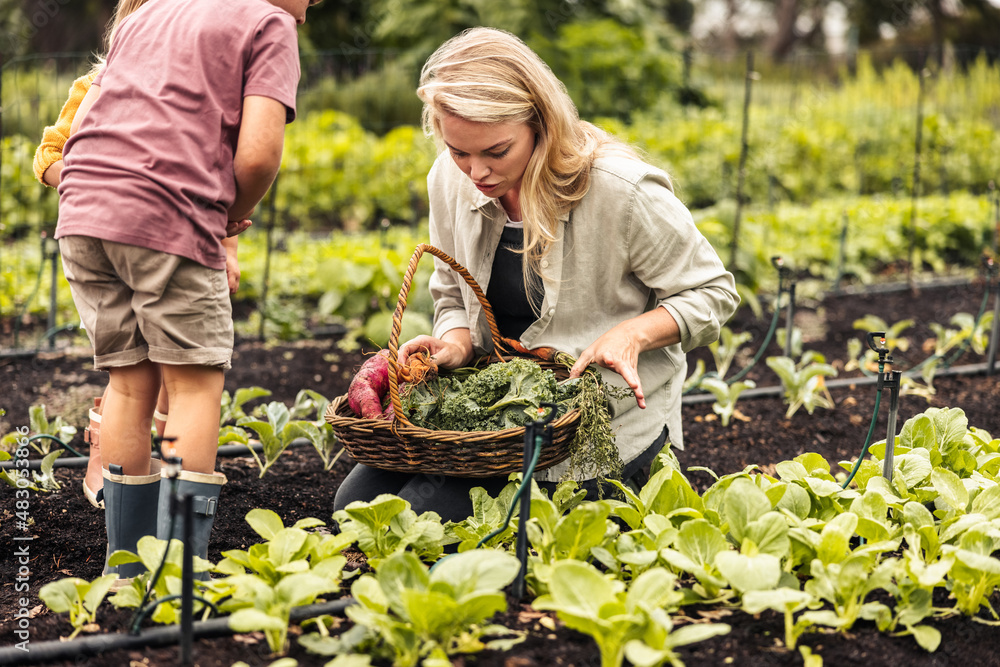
(617, 350)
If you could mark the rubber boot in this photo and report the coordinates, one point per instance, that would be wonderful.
(130, 505)
(205, 490)
(93, 481)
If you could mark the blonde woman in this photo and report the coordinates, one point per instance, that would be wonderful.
(579, 244)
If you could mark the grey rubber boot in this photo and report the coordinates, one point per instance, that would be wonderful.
(205, 490)
(130, 503)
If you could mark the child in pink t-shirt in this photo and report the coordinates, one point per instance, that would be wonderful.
(180, 134)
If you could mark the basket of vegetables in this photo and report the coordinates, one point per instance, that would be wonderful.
(469, 422)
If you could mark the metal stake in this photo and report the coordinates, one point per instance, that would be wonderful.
(890, 439)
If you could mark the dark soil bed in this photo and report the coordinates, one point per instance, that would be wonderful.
(69, 534)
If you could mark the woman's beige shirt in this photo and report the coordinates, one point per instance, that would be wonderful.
(629, 246)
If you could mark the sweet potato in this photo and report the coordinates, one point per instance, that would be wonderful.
(370, 386)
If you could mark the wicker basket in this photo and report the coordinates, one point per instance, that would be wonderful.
(403, 447)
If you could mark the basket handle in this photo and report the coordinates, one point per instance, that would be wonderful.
(500, 344)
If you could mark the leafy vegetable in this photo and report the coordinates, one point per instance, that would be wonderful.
(79, 597)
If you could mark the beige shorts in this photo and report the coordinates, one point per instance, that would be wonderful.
(139, 304)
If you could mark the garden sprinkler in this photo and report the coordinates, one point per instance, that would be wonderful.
(537, 434)
(892, 381)
(783, 274)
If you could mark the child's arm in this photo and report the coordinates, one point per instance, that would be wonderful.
(258, 152)
(81, 113)
(48, 157)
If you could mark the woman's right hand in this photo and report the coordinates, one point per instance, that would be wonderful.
(453, 350)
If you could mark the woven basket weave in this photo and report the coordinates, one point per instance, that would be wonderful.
(403, 447)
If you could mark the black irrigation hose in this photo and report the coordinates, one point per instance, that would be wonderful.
(868, 439)
(778, 390)
(224, 450)
(44, 436)
(52, 651)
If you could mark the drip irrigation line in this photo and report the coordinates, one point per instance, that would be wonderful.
(778, 390)
(80, 462)
(53, 651)
(46, 436)
(868, 441)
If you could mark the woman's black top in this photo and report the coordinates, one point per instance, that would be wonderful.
(506, 292)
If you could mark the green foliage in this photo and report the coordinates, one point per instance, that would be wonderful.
(79, 597)
(725, 349)
(418, 617)
(631, 622)
(803, 381)
(387, 526)
(610, 69)
(726, 395)
(150, 552)
(501, 395)
(232, 406)
(292, 567)
(275, 434)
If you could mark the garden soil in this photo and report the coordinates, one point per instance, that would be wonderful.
(68, 534)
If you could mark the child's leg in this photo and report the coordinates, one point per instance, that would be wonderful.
(126, 417)
(195, 395)
(162, 408)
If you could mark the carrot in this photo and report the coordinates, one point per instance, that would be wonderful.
(370, 386)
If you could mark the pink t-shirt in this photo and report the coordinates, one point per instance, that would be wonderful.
(152, 162)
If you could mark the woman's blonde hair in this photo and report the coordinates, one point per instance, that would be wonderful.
(124, 9)
(484, 75)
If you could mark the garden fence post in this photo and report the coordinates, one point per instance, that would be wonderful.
(991, 358)
(269, 230)
(741, 171)
(915, 194)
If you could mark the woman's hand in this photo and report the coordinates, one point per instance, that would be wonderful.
(619, 348)
(452, 350)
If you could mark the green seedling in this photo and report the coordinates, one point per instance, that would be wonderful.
(387, 526)
(288, 550)
(41, 432)
(803, 381)
(150, 552)
(726, 396)
(256, 605)
(725, 349)
(633, 621)
(232, 406)
(78, 597)
(275, 434)
(415, 616)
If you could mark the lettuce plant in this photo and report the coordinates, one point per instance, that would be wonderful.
(725, 349)
(803, 381)
(232, 405)
(418, 616)
(150, 552)
(632, 621)
(726, 396)
(387, 526)
(79, 597)
(275, 434)
(257, 605)
(286, 551)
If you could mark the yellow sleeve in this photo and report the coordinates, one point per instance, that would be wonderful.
(54, 136)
